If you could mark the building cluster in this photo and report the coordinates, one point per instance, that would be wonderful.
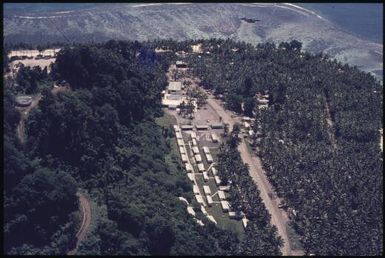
(205, 199)
(262, 100)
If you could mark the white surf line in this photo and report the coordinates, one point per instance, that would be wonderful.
(305, 10)
(144, 5)
(37, 17)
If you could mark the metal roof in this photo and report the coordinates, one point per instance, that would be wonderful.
(175, 86)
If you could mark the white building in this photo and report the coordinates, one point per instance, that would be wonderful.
(221, 195)
(184, 158)
(225, 206)
(195, 189)
(198, 158)
(214, 171)
(210, 217)
(179, 135)
(195, 150)
(201, 167)
(217, 180)
(214, 137)
(244, 222)
(209, 158)
(189, 168)
(174, 88)
(209, 200)
(205, 176)
(190, 210)
(207, 189)
(199, 199)
(190, 177)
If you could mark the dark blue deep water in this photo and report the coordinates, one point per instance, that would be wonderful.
(362, 19)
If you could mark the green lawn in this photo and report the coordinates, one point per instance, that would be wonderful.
(166, 120)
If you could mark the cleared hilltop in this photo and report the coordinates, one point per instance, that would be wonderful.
(274, 22)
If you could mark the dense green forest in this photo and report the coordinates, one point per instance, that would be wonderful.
(260, 237)
(101, 136)
(329, 173)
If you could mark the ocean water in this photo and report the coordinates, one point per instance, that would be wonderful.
(361, 19)
(18, 8)
(364, 20)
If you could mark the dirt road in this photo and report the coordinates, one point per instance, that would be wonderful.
(278, 217)
(86, 221)
(20, 129)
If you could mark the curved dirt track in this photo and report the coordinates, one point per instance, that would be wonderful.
(86, 221)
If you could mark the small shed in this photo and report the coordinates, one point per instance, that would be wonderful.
(244, 222)
(202, 127)
(224, 188)
(190, 210)
(194, 142)
(189, 168)
(195, 189)
(201, 167)
(214, 171)
(198, 158)
(214, 137)
(195, 150)
(184, 158)
(174, 87)
(182, 150)
(206, 150)
(205, 176)
(225, 206)
(207, 190)
(179, 135)
(217, 180)
(199, 199)
(209, 200)
(246, 124)
(193, 135)
(211, 218)
(209, 158)
(190, 177)
(23, 101)
(203, 210)
(263, 101)
(217, 125)
(199, 222)
(221, 195)
(180, 142)
(186, 127)
(181, 64)
(176, 128)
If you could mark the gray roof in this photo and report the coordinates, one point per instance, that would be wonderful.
(23, 100)
(202, 126)
(217, 125)
(175, 86)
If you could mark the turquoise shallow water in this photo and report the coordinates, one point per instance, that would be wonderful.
(365, 20)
